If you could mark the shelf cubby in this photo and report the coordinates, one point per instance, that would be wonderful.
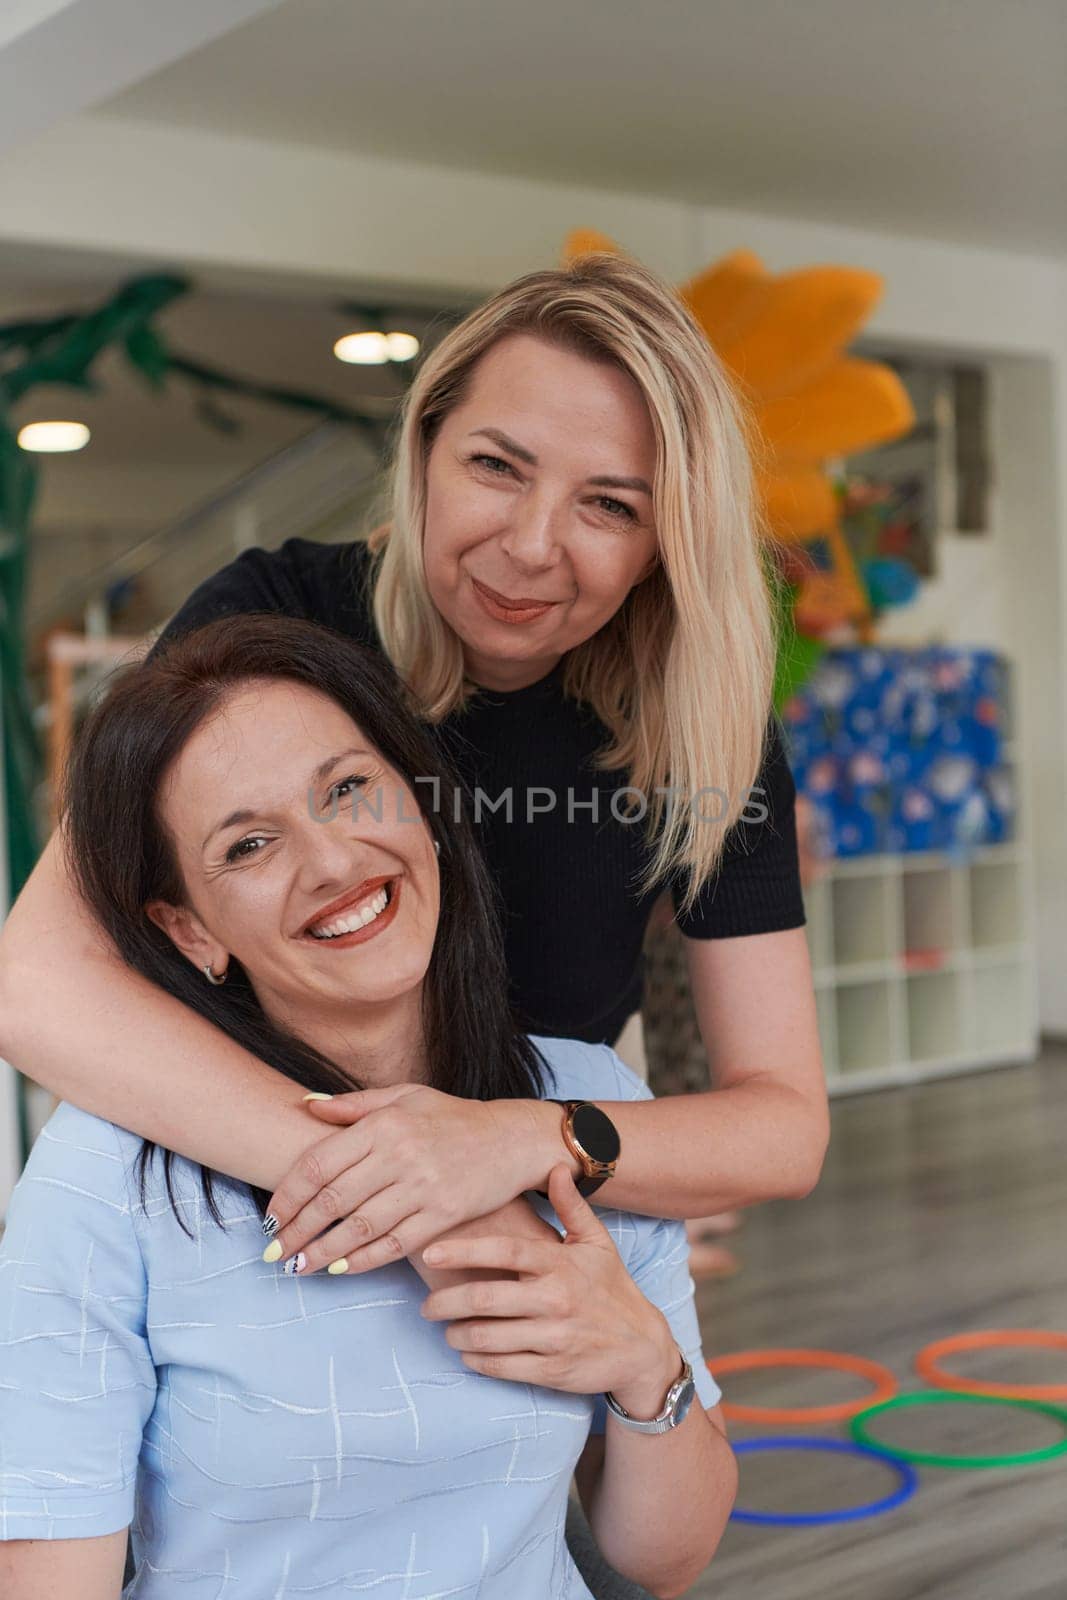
(862, 920)
(996, 912)
(864, 1026)
(999, 1003)
(933, 912)
(923, 964)
(935, 1016)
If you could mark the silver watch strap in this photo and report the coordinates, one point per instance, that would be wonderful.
(668, 1417)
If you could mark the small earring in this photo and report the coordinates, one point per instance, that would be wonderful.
(210, 976)
(437, 846)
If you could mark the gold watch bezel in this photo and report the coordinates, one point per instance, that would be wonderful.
(591, 1166)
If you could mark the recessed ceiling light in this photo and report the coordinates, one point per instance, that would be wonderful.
(402, 346)
(363, 349)
(53, 437)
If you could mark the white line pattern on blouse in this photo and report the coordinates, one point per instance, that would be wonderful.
(260, 1436)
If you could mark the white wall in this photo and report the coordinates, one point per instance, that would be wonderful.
(1029, 401)
(10, 1153)
(282, 213)
(167, 193)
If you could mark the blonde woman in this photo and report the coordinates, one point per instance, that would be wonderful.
(572, 589)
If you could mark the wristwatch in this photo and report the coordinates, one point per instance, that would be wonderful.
(675, 1407)
(593, 1140)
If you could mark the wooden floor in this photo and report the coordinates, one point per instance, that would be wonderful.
(942, 1209)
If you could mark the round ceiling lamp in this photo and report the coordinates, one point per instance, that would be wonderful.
(402, 346)
(374, 349)
(53, 438)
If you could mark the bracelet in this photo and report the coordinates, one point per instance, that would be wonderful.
(680, 1397)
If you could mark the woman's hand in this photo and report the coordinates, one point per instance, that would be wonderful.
(407, 1164)
(574, 1319)
(517, 1219)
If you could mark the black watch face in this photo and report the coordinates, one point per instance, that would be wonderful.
(596, 1133)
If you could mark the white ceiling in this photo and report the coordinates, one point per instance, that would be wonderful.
(945, 118)
(942, 118)
(151, 458)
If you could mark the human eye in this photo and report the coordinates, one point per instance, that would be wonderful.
(617, 509)
(491, 463)
(353, 778)
(236, 853)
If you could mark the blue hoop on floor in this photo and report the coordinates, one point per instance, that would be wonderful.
(909, 1482)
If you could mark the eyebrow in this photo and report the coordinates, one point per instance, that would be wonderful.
(602, 481)
(323, 770)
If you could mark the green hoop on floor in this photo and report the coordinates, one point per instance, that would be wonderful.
(942, 1397)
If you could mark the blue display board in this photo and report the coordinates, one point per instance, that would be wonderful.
(903, 750)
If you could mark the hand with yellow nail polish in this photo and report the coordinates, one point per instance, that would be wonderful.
(404, 1165)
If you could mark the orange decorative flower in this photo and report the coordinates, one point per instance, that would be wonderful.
(783, 339)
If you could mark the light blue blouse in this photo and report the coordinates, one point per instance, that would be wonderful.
(266, 1435)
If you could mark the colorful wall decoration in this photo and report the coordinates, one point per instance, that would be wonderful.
(903, 750)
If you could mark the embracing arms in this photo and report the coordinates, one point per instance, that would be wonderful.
(76, 1019)
(761, 1134)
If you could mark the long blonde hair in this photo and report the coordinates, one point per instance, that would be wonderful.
(682, 674)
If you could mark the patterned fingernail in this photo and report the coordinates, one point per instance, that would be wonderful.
(270, 1224)
(273, 1252)
(338, 1266)
(295, 1264)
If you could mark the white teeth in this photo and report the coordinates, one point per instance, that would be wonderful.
(356, 919)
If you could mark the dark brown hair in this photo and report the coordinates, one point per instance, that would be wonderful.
(121, 855)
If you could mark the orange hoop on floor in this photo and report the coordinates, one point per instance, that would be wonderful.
(884, 1381)
(926, 1362)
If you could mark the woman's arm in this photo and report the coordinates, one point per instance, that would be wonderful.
(581, 1320)
(761, 1134)
(755, 1006)
(627, 1480)
(74, 1410)
(55, 1569)
(76, 1019)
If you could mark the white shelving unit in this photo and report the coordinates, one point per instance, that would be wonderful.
(923, 966)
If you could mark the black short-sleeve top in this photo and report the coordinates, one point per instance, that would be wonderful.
(566, 859)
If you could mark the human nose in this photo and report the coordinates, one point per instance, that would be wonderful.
(332, 843)
(533, 541)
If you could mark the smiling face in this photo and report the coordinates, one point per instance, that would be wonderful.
(538, 507)
(293, 764)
